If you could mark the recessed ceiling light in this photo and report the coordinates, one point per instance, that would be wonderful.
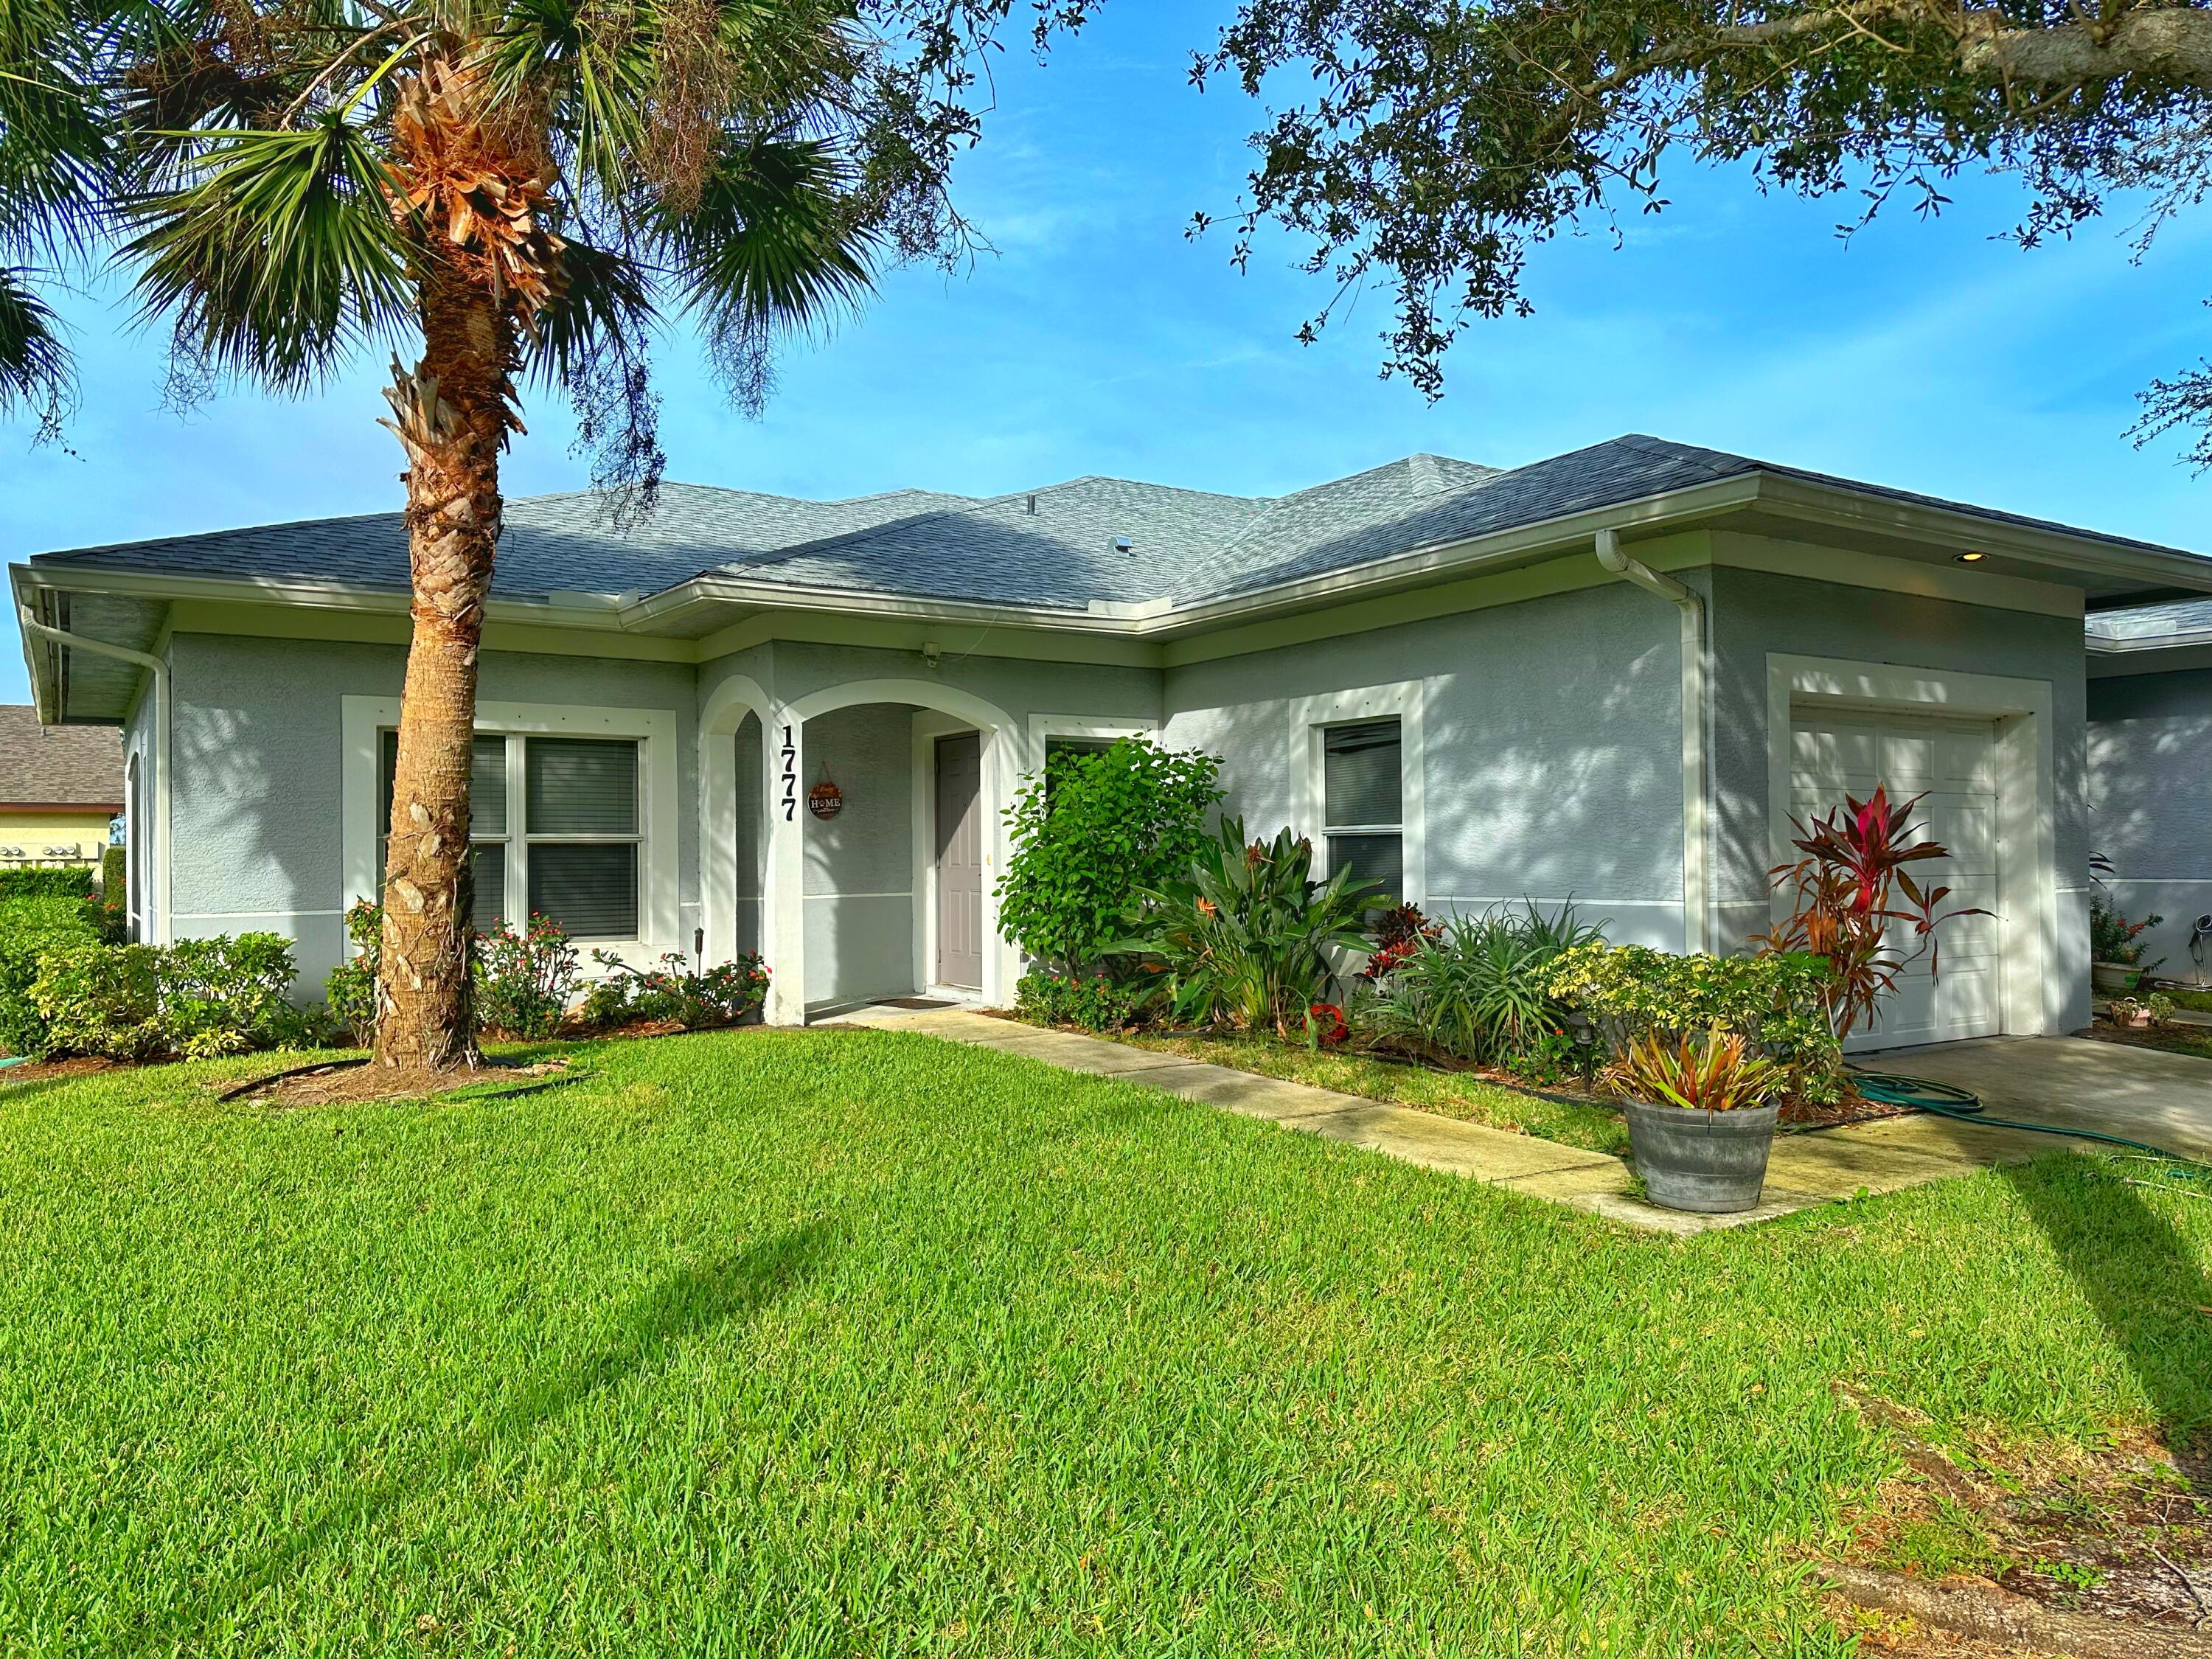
(1972, 558)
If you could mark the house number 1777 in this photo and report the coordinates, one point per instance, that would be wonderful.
(790, 753)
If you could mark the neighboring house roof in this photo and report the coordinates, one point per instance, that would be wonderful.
(49, 766)
(1054, 547)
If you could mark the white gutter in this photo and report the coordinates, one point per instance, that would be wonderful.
(156, 866)
(1697, 850)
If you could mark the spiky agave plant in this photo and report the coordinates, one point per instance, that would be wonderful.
(524, 187)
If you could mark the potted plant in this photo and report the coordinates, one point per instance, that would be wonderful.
(1701, 1112)
(2116, 947)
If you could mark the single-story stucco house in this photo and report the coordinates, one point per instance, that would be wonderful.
(1612, 675)
(60, 785)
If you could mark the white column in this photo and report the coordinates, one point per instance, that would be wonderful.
(783, 904)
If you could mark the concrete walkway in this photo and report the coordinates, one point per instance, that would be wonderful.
(2110, 1083)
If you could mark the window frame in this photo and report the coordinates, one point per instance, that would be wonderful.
(1325, 855)
(1310, 720)
(659, 908)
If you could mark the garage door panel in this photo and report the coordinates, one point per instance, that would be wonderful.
(1951, 763)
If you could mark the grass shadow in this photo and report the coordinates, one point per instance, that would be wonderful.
(697, 1297)
(2139, 1275)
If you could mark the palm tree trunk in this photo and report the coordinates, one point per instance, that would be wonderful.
(451, 418)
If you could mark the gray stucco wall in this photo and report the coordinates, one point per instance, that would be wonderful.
(2150, 803)
(256, 774)
(1551, 740)
(1755, 613)
(751, 845)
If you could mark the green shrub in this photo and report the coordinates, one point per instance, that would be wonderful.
(226, 995)
(197, 998)
(1481, 990)
(1777, 1000)
(115, 879)
(1244, 934)
(2113, 937)
(1093, 1000)
(349, 989)
(28, 926)
(721, 995)
(98, 998)
(1090, 833)
(523, 981)
(67, 881)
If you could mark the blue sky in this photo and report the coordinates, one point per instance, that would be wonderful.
(1098, 339)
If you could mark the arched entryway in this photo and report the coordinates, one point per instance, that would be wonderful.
(892, 895)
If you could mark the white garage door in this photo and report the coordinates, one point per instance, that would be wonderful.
(1954, 762)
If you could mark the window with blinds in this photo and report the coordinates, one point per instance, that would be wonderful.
(1362, 805)
(581, 812)
(570, 853)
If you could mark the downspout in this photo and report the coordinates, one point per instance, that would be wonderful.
(1697, 852)
(160, 670)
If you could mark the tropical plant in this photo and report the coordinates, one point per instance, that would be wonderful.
(57, 174)
(1397, 932)
(198, 997)
(1245, 935)
(527, 187)
(1716, 1071)
(1088, 832)
(1480, 990)
(1777, 1002)
(1851, 893)
(2113, 937)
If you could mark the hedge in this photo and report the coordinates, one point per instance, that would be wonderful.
(66, 881)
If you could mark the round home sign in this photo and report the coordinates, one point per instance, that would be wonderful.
(825, 799)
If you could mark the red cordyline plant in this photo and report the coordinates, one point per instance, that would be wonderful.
(1854, 894)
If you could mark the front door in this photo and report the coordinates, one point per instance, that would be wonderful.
(960, 861)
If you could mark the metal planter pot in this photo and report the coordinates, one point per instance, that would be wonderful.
(1713, 1163)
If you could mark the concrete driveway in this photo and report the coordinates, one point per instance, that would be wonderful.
(2144, 1094)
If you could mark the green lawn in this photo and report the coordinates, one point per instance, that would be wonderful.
(1450, 1094)
(853, 1342)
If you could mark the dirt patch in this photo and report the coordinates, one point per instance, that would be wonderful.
(2176, 1039)
(41, 1070)
(1853, 1109)
(1984, 1549)
(340, 1084)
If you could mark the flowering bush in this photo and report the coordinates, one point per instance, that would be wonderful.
(1777, 1002)
(1090, 1001)
(2113, 937)
(522, 981)
(674, 991)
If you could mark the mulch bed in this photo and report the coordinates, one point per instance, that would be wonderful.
(341, 1083)
(2092, 1552)
(2168, 1040)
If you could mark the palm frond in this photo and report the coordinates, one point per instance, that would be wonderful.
(280, 256)
(604, 305)
(774, 248)
(35, 370)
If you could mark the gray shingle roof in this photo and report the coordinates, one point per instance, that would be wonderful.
(58, 765)
(1054, 546)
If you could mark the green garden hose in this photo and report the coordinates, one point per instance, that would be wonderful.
(1890, 1088)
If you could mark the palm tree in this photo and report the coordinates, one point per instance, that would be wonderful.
(527, 185)
(56, 175)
